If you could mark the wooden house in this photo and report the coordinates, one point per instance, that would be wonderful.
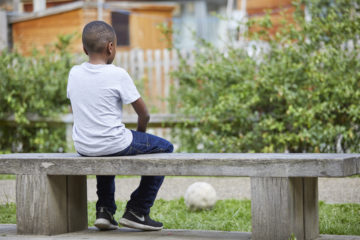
(279, 10)
(135, 24)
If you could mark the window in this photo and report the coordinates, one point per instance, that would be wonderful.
(120, 23)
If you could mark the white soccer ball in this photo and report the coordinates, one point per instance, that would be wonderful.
(199, 196)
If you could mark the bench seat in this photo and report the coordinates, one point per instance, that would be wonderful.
(185, 164)
(51, 187)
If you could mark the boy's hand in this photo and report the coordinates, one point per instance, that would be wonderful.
(143, 114)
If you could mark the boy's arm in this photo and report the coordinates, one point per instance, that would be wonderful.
(143, 114)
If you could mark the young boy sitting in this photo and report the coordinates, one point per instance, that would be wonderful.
(97, 89)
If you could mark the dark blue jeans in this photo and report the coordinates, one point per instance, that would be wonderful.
(142, 199)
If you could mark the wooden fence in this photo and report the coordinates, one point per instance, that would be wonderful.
(150, 70)
(159, 125)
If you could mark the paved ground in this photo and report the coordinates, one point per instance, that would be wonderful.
(331, 190)
(8, 231)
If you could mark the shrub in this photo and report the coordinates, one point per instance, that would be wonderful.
(302, 95)
(37, 85)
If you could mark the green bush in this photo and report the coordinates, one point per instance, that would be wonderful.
(301, 95)
(35, 84)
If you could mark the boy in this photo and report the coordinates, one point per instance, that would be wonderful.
(97, 89)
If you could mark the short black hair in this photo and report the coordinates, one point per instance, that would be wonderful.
(96, 35)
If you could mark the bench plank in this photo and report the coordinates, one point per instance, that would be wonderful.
(185, 164)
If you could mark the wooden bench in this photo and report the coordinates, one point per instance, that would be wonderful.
(51, 192)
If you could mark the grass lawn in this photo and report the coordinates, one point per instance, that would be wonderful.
(227, 215)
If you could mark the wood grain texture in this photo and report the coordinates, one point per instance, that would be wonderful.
(41, 204)
(77, 203)
(276, 208)
(311, 208)
(40, 32)
(281, 207)
(144, 32)
(50, 205)
(185, 164)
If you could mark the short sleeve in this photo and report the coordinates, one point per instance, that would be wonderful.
(128, 91)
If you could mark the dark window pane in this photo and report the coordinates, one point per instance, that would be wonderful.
(120, 23)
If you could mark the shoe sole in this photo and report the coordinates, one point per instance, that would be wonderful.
(130, 224)
(104, 224)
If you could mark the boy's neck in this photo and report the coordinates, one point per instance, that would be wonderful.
(96, 59)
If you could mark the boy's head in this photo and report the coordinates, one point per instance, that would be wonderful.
(99, 39)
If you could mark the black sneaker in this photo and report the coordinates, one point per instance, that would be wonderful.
(133, 219)
(105, 220)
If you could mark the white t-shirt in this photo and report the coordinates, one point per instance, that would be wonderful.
(97, 93)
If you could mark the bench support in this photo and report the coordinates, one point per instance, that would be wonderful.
(49, 205)
(281, 207)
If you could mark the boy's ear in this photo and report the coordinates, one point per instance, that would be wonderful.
(85, 51)
(110, 47)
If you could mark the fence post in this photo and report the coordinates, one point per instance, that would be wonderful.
(69, 141)
(133, 63)
(158, 78)
(140, 58)
(166, 60)
(149, 60)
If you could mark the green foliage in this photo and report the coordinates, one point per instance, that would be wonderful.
(7, 177)
(292, 237)
(339, 219)
(8, 213)
(301, 95)
(35, 84)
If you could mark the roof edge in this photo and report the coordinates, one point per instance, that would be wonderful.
(47, 12)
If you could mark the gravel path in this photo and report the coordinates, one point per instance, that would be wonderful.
(331, 190)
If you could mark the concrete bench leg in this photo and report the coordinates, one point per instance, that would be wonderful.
(49, 205)
(281, 207)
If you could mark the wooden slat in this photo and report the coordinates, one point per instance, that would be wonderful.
(150, 87)
(153, 67)
(144, 31)
(117, 60)
(140, 58)
(166, 86)
(132, 63)
(185, 164)
(40, 32)
(157, 87)
(126, 63)
(175, 64)
(260, 6)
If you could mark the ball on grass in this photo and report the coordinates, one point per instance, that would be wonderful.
(200, 196)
